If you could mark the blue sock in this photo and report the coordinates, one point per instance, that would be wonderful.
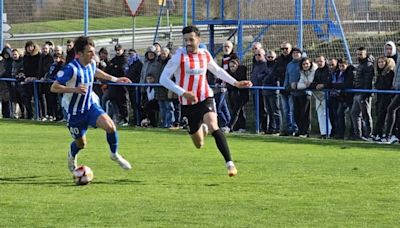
(112, 139)
(74, 149)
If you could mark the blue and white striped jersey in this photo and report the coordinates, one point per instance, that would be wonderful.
(71, 76)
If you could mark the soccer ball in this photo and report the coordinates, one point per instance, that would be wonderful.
(82, 175)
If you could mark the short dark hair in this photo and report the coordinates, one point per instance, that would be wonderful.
(361, 49)
(191, 28)
(81, 43)
(69, 41)
(342, 61)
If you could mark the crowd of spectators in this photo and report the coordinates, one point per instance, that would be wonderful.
(284, 112)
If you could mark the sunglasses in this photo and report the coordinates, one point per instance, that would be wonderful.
(257, 55)
(284, 48)
(270, 57)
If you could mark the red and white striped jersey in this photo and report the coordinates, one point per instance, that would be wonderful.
(190, 72)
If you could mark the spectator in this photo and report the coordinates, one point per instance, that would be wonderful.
(302, 99)
(220, 91)
(102, 90)
(31, 61)
(17, 72)
(54, 111)
(292, 75)
(46, 60)
(320, 82)
(237, 97)
(117, 94)
(254, 47)
(384, 81)
(59, 50)
(5, 87)
(285, 99)
(390, 51)
(361, 109)
(150, 104)
(334, 72)
(343, 101)
(270, 97)
(150, 65)
(70, 51)
(161, 94)
(258, 73)
(132, 71)
(394, 103)
(158, 47)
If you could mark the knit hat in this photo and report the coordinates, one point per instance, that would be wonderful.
(297, 50)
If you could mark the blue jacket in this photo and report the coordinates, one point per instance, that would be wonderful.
(292, 75)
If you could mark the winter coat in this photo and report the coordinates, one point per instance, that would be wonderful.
(384, 77)
(364, 75)
(293, 75)
(45, 62)
(7, 62)
(240, 74)
(396, 80)
(32, 63)
(117, 68)
(133, 71)
(270, 79)
(280, 69)
(161, 93)
(344, 80)
(307, 77)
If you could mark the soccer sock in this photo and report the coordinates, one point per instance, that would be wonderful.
(74, 149)
(112, 139)
(222, 145)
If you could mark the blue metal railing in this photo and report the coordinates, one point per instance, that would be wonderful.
(256, 90)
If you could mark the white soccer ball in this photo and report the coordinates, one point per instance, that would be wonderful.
(83, 175)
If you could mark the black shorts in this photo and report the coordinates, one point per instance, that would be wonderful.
(195, 113)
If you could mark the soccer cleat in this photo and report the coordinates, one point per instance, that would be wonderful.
(121, 161)
(72, 162)
(232, 171)
(205, 129)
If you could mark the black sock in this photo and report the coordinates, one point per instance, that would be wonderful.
(222, 145)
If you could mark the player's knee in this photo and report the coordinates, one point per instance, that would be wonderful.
(110, 127)
(81, 144)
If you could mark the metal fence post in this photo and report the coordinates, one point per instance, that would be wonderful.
(36, 99)
(326, 97)
(137, 93)
(257, 97)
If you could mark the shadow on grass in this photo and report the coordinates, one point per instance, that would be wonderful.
(341, 144)
(39, 180)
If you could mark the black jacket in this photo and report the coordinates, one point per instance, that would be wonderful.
(364, 75)
(280, 67)
(321, 76)
(345, 83)
(240, 74)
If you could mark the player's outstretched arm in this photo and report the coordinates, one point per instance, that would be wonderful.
(56, 87)
(104, 76)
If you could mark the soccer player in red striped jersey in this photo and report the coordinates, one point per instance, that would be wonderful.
(190, 65)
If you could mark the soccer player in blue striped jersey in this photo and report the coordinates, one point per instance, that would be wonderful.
(81, 104)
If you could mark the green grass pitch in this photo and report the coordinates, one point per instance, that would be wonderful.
(282, 182)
